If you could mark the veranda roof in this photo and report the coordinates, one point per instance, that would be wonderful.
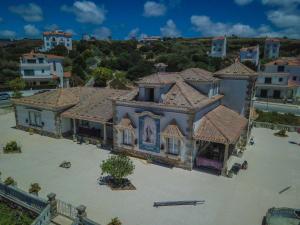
(221, 125)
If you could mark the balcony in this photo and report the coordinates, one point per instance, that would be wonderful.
(45, 66)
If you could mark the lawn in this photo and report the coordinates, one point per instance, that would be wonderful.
(10, 216)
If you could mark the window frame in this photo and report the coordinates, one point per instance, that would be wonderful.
(172, 147)
(127, 137)
(35, 118)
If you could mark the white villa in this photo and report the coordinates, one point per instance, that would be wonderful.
(38, 69)
(250, 54)
(272, 46)
(189, 119)
(218, 47)
(280, 81)
(56, 37)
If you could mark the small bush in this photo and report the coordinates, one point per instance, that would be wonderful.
(115, 221)
(10, 181)
(281, 133)
(12, 147)
(34, 188)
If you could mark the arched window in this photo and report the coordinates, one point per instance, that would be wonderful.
(127, 137)
(173, 145)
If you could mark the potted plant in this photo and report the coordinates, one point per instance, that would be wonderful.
(10, 181)
(115, 221)
(34, 188)
(30, 130)
(12, 147)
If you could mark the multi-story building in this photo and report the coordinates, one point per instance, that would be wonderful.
(280, 80)
(272, 46)
(218, 47)
(250, 54)
(57, 37)
(180, 118)
(38, 69)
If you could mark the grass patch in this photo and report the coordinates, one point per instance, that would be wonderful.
(276, 118)
(10, 216)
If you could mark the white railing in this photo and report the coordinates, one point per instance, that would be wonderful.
(44, 218)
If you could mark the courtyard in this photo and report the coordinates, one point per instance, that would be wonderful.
(243, 199)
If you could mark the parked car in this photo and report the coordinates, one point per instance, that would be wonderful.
(4, 96)
(282, 216)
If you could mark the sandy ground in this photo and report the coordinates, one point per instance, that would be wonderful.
(273, 165)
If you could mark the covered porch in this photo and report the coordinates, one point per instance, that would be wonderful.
(216, 138)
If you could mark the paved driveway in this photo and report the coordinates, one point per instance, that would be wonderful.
(273, 165)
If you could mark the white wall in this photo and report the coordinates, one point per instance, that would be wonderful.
(66, 125)
(235, 92)
(48, 117)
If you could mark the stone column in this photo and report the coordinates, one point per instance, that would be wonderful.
(104, 134)
(224, 169)
(74, 128)
(81, 213)
(53, 204)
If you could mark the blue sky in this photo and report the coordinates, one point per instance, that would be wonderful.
(122, 19)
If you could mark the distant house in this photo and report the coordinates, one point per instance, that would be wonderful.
(55, 38)
(218, 47)
(272, 46)
(149, 39)
(280, 80)
(250, 54)
(38, 69)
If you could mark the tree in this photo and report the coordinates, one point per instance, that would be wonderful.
(119, 80)
(101, 76)
(118, 167)
(17, 85)
(59, 50)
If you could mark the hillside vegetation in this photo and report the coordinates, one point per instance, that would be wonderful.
(135, 59)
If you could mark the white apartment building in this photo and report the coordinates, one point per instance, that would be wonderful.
(280, 80)
(39, 69)
(57, 37)
(250, 54)
(272, 46)
(218, 47)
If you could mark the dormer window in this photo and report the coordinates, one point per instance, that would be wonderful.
(149, 94)
(280, 69)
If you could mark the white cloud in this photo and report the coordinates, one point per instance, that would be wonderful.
(30, 12)
(7, 33)
(31, 30)
(154, 9)
(102, 33)
(284, 19)
(243, 2)
(86, 12)
(170, 29)
(133, 33)
(51, 27)
(280, 2)
(207, 27)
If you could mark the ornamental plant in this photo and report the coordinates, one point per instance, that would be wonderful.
(10, 181)
(12, 147)
(118, 167)
(115, 221)
(34, 188)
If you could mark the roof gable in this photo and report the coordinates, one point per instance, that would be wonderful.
(236, 69)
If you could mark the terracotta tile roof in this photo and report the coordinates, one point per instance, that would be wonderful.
(67, 74)
(57, 32)
(184, 95)
(172, 130)
(237, 70)
(291, 61)
(219, 38)
(33, 55)
(54, 100)
(126, 123)
(249, 48)
(197, 74)
(221, 125)
(97, 106)
(293, 83)
(160, 78)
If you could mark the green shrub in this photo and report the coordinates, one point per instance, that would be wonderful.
(12, 147)
(115, 221)
(277, 118)
(34, 188)
(10, 181)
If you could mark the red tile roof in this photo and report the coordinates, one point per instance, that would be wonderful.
(172, 130)
(236, 70)
(221, 125)
(291, 61)
(57, 32)
(33, 55)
